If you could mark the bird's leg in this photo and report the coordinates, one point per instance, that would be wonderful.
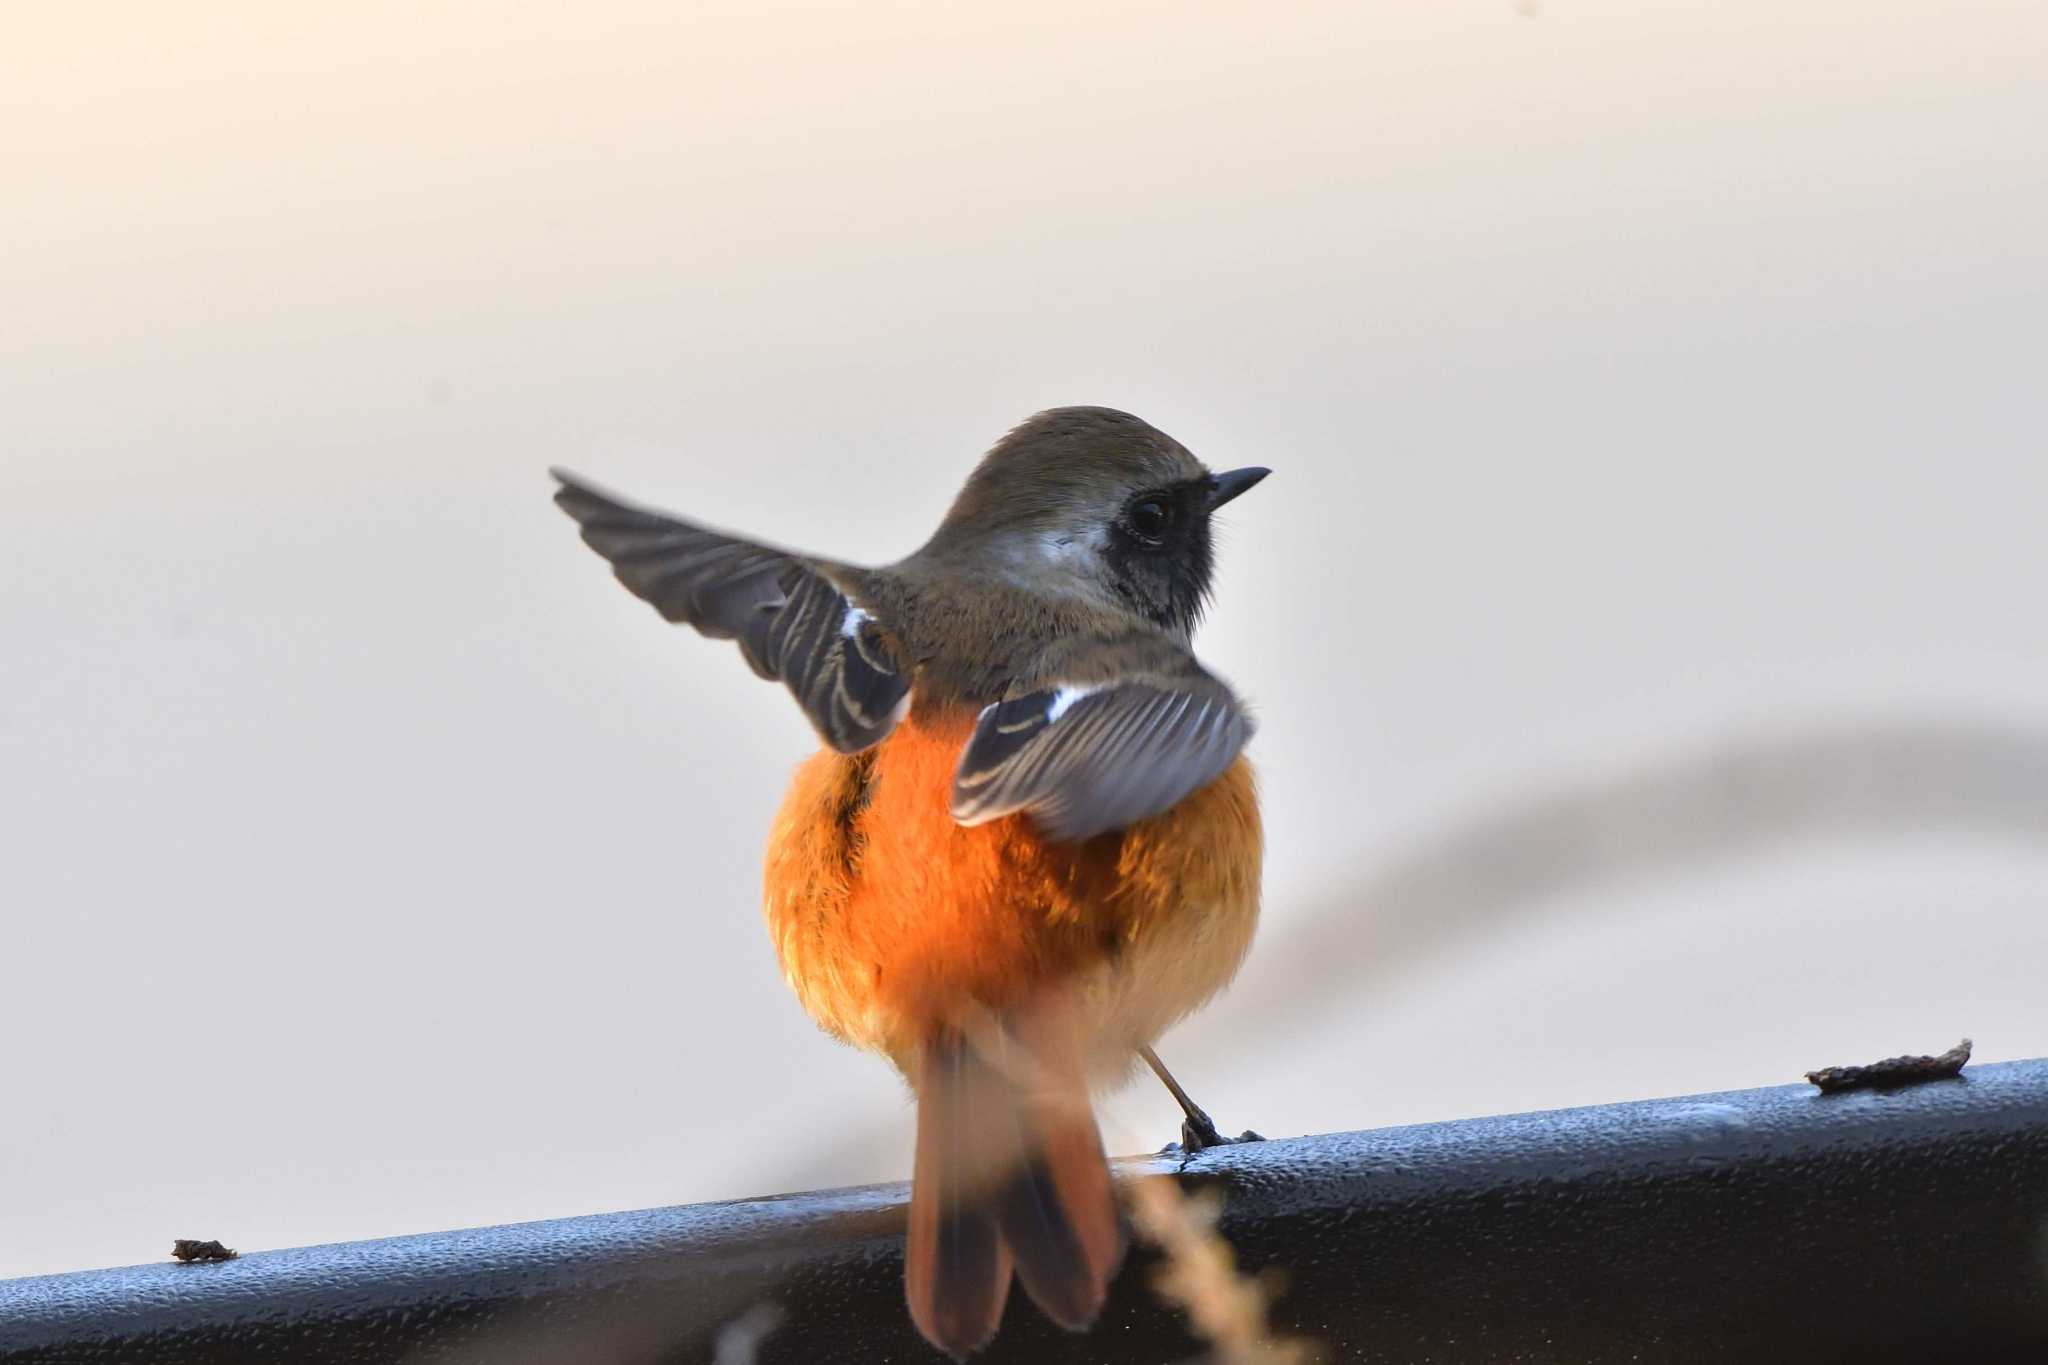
(1197, 1130)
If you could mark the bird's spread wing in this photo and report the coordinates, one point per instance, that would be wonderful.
(1085, 757)
(791, 619)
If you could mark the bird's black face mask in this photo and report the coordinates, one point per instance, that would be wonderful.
(1160, 551)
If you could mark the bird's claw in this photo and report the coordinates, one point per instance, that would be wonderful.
(1198, 1134)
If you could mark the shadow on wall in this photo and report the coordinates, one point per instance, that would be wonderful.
(1741, 795)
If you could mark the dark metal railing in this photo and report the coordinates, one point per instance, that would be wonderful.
(1757, 1225)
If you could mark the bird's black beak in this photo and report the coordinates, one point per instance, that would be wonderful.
(1225, 486)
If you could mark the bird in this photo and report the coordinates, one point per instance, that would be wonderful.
(1029, 842)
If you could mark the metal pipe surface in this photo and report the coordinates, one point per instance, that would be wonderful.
(1756, 1225)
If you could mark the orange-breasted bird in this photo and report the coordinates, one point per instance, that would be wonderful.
(1031, 842)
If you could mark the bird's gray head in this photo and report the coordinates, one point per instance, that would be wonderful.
(1096, 501)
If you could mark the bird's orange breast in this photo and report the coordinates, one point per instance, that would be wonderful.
(891, 919)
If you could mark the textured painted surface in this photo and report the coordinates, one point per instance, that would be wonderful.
(1774, 1224)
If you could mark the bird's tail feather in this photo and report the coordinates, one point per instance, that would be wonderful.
(1009, 1172)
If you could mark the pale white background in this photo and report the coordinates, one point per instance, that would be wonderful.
(1646, 384)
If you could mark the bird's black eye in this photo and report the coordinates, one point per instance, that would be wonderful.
(1151, 517)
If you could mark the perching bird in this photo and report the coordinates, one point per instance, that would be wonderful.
(1030, 843)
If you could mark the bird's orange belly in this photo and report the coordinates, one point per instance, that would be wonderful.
(892, 920)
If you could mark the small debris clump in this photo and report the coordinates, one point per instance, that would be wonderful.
(1892, 1071)
(188, 1250)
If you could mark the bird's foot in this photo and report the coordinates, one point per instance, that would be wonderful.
(1198, 1134)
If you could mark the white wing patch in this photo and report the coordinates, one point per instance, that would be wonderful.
(1066, 696)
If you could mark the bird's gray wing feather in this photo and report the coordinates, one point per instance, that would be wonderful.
(794, 622)
(1082, 758)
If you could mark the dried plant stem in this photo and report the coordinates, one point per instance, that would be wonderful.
(1226, 1308)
